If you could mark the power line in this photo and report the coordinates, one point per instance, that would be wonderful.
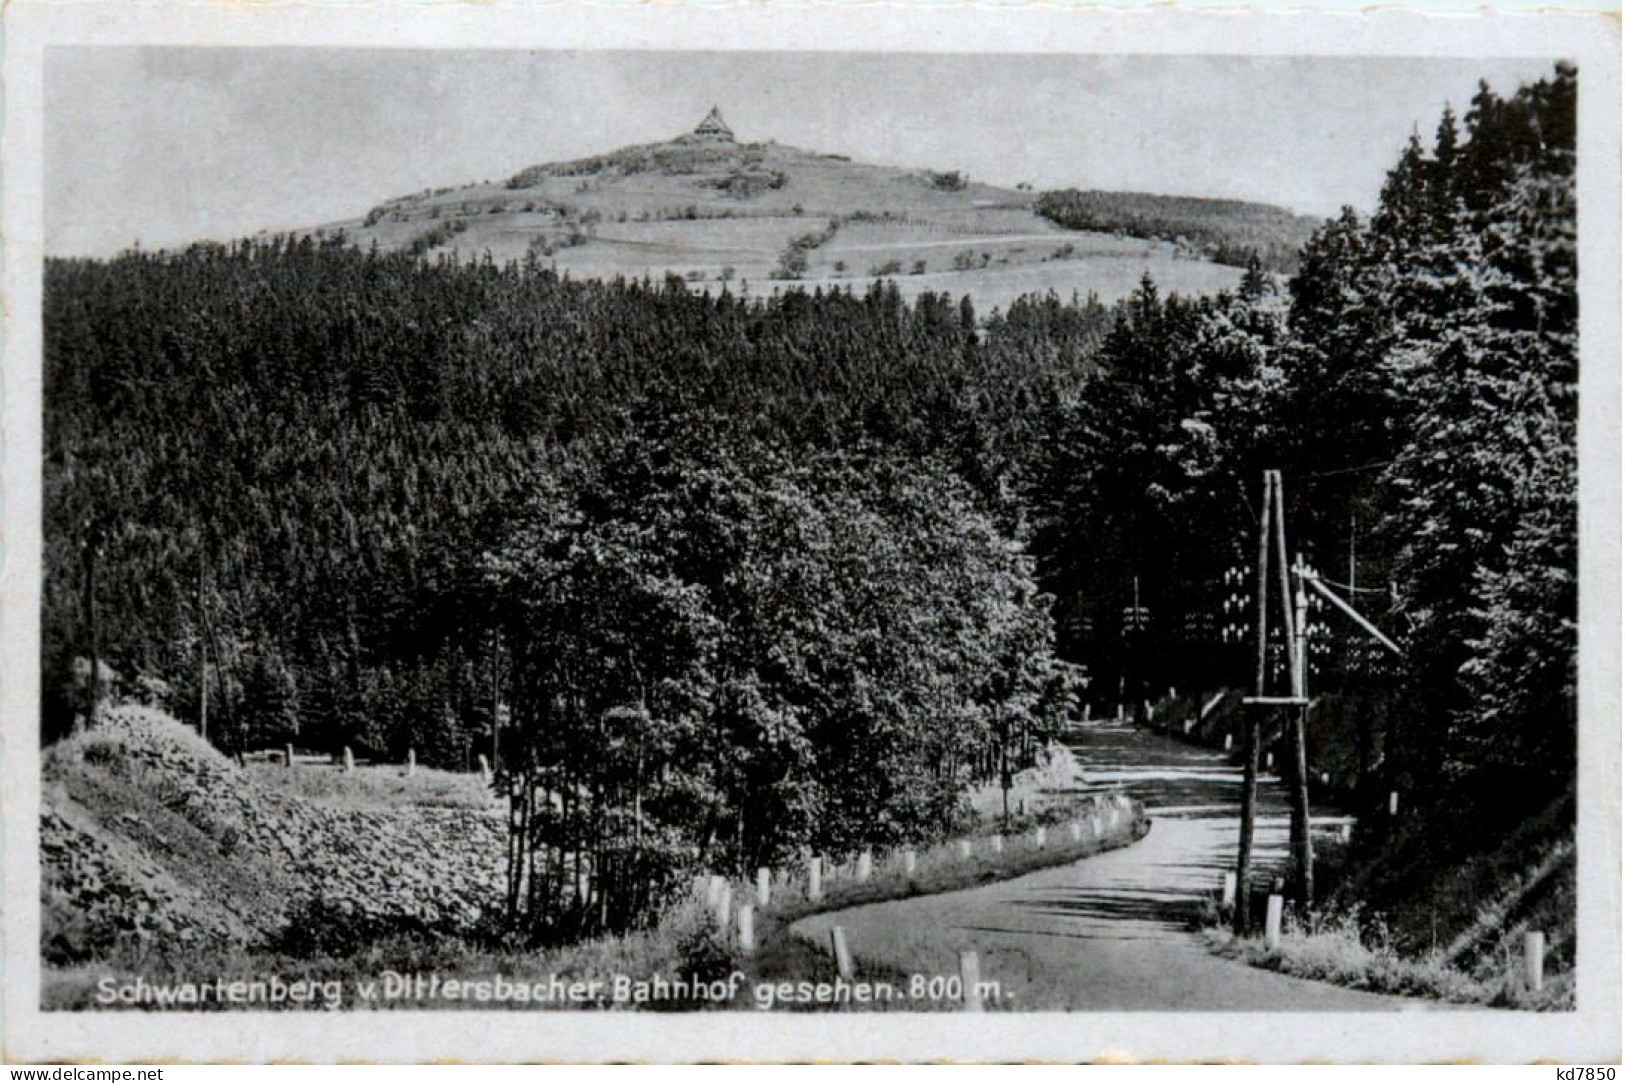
(1353, 589)
(1349, 469)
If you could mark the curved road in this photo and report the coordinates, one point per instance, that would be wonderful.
(1112, 932)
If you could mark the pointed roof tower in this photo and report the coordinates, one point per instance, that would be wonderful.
(714, 127)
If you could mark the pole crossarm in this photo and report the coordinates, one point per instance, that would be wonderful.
(1326, 592)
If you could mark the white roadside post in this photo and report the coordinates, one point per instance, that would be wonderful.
(1393, 802)
(1076, 830)
(287, 755)
(747, 928)
(725, 907)
(866, 866)
(713, 890)
(411, 762)
(964, 849)
(764, 886)
(1534, 960)
(1227, 740)
(1228, 897)
(843, 957)
(1272, 923)
(909, 862)
(1039, 838)
(349, 760)
(970, 981)
(998, 844)
(815, 878)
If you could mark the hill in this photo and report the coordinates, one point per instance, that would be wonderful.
(713, 210)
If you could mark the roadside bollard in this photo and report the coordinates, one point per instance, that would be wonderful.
(1272, 923)
(1076, 830)
(725, 906)
(1393, 802)
(713, 890)
(764, 886)
(843, 957)
(747, 928)
(1534, 960)
(1038, 838)
(349, 760)
(998, 844)
(866, 866)
(964, 849)
(485, 767)
(1228, 897)
(909, 862)
(1269, 761)
(411, 763)
(1227, 742)
(1346, 832)
(1094, 825)
(970, 981)
(815, 878)
(287, 755)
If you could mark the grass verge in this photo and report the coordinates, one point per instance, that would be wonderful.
(1338, 950)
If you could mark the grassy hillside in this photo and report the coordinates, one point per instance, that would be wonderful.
(756, 215)
(151, 838)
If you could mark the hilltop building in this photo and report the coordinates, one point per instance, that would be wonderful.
(714, 128)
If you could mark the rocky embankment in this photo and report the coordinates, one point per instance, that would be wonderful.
(149, 836)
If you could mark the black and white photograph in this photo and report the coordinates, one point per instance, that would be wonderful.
(774, 533)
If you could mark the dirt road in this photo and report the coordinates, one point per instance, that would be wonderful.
(1112, 932)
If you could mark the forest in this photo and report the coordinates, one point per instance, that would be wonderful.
(1223, 230)
(713, 580)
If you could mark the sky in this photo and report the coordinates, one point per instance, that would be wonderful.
(165, 145)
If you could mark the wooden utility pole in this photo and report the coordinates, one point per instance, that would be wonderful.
(1249, 754)
(1297, 755)
(1303, 854)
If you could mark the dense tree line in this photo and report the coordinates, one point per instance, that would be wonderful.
(328, 491)
(1417, 383)
(1224, 230)
(730, 653)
